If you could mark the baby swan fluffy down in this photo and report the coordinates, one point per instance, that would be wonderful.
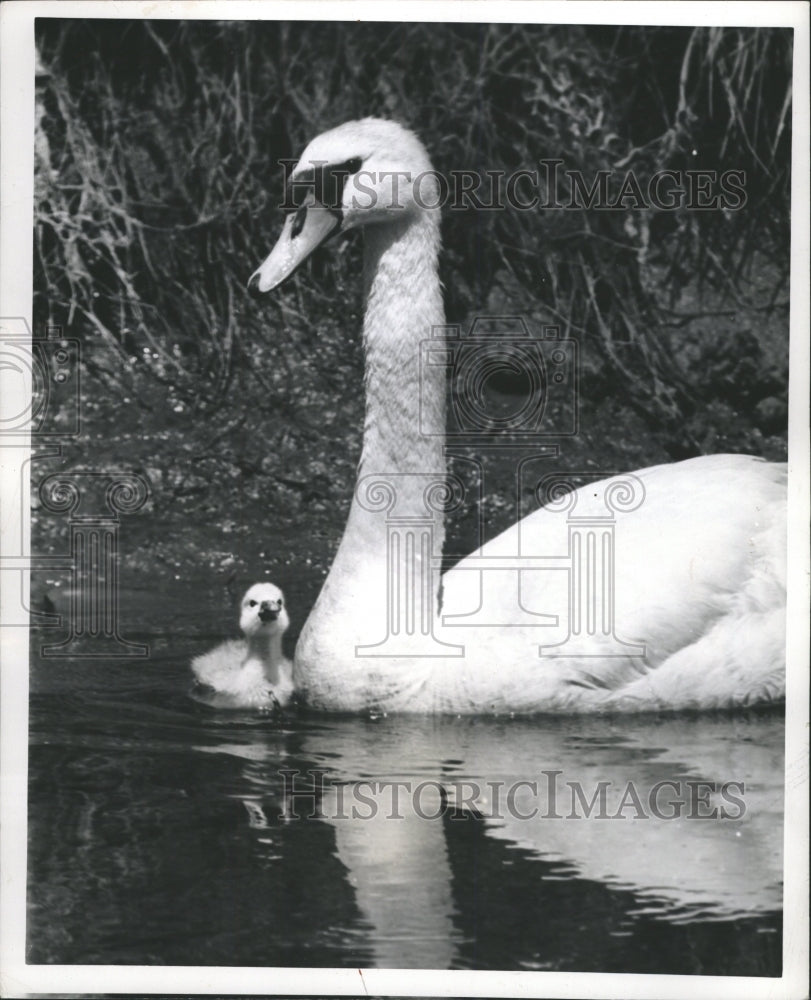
(250, 672)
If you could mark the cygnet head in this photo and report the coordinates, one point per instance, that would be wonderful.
(361, 173)
(262, 611)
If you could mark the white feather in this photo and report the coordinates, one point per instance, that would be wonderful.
(700, 566)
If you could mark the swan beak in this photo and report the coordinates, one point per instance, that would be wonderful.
(303, 231)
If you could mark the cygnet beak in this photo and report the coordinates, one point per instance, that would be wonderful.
(268, 611)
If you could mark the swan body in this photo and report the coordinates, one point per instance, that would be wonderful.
(699, 569)
(250, 672)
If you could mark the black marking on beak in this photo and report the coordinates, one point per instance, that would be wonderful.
(268, 611)
(298, 222)
(253, 286)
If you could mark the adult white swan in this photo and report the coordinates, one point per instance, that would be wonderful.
(698, 585)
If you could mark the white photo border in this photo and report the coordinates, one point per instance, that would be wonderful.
(16, 292)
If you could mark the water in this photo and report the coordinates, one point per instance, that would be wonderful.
(163, 832)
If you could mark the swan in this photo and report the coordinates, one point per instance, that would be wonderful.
(249, 672)
(699, 575)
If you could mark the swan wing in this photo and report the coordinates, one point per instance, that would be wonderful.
(697, 583)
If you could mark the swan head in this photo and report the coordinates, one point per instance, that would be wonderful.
(362, 173)
(262, 611)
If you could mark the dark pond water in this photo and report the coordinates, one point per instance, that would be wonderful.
(163, 831)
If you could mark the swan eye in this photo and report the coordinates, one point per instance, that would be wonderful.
(280, 603)
(323, 182)
(252, 604)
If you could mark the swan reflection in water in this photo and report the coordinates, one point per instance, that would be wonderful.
(426, 881)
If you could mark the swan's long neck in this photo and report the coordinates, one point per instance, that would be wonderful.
(404, 430)
(403, 437)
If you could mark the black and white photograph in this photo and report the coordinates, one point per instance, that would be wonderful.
(405, 499)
